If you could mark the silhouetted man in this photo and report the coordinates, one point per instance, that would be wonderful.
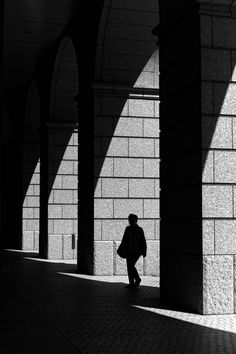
(133, 245)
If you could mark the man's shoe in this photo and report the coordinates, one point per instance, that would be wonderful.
(130, 286)
(137, 282)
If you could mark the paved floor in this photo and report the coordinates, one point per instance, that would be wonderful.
(47, 308)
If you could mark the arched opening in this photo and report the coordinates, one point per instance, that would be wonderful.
(59, 240)
(126, 133)
(31, 172)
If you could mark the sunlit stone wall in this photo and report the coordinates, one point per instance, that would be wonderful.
(126, 132)
(219, 161)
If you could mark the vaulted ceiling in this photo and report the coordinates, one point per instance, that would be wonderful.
(30, 27)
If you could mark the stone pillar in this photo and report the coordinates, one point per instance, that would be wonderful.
(60, 184)
(126, 173)
(31, 188)
(197, 113)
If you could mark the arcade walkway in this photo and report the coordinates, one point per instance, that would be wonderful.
(46, 308)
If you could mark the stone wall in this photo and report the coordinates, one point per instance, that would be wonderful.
(218, 58)
(126, 158)
(63, 192)
(30, 217)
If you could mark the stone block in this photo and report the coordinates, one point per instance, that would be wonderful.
(157, 188)
(103, 126)
(55, 181)
(70, 212)
(141, 188)
(97, 230)
(148, 228)
(120, 267)
(141, 147)
(225, 98)
(32, 225)
(98, 187)
(30, 190)
(28, 213)
(97, 147)
(114, 106)
(114, 188)
(234, 133)
(113, 229)
(32, 201)
(55, 152)
(151, 168)
(152, 260)
(115, 147)
(208, 235)
(28, 241)
(225, 241)
(157, 148)
(71, 153)
(69, 182)
(207, 98)
(208, 168)
(36, 240)
(218, 289)
(63, 197)
(128, 167)
(75, 197)
(206, 30)
(103, 208)
(103, 258)
(54, 211)
(157, 229)
(157, 108)
(146, 79)
(54, 246)
(69, 247)
(129, 127)
(217, 201)
(225, 166)
(151, 208)
(103, 167)
(141, 108)
(216, 64)
(75, 168)
(217, 132)
(63, 227)
(36, 191)
(223, 32)
(66, 168)
(36, 213)
(124, 207)
(75, 227)
(75, 138)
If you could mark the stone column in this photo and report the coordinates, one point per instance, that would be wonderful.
(197, 113)
(60, 192)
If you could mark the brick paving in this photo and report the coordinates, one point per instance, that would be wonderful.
(46, 307)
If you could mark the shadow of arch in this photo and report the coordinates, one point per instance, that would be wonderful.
(31, 171)
(59, 221)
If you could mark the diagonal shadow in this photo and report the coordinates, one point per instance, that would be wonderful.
(103, 316)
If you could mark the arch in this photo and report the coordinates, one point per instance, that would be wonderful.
(64, 86)
(126, 131)
(31, 171)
